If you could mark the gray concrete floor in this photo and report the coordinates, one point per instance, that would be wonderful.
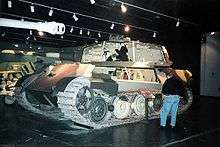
(199, 126)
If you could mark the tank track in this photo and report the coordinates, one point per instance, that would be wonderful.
(68, 104)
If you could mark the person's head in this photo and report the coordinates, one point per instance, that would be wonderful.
(169, 71)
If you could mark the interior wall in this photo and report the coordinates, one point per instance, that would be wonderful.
(210, 65)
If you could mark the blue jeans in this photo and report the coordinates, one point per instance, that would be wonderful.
(170, 105)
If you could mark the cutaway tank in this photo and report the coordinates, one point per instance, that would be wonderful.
(96, 93)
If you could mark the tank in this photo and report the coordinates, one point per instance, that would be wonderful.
(115, 83)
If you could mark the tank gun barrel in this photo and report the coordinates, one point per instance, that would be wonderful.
(50, 27)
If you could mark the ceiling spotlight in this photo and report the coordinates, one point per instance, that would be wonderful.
(80, 31)
(154, 35)
(96, 41)
(61, 37)
(3, 34)
(99, 34)
(112, 26)
(31, 33)
(92, 2)
(212, 33)
(123, 8)
(75, 17)
(50, 12)
(9, 4)
(178, 23)
(88, 32)
(16, 45)
(32, 8)
(127, 28)
(28, 38)
(71, 30)
(40, 33)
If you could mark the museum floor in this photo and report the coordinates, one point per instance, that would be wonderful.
(199, 126)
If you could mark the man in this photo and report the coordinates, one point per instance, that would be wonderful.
(173, 88)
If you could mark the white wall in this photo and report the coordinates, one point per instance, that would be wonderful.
(210, 66)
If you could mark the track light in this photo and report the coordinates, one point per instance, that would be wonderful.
(75, 17)
(3, 34)
(31, 32)
(127, 28)
(112, 26)
(71, 30)
(9, 4)
(32, 8)
(50, 12)
(123, 8)
(88, 32)
(80, 31)
(92, 2)
(178, 23)
(40, 33)
(154, 34)
(99, 34)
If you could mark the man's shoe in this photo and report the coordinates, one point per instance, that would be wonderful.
(162, 127)
(172, 127)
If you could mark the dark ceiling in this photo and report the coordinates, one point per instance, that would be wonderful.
(200, 15)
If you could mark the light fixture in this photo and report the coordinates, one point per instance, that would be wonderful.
(75, 17)
(92, 2)
(80, 31)
(9, 4)
(123, 8)
(88, 32)
(127, 28)
(212, 33)
(71, 30)
(61, 37)
(99, 34)
(112, 26)
(50, 12)
(96, 41)
(16, 45)
(31, 33)
(3, 34)
(154, 34)
(40, 33)
(28, 37)
(178, 23)
(32, 8)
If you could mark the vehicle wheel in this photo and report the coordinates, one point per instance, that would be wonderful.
(9, 100)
